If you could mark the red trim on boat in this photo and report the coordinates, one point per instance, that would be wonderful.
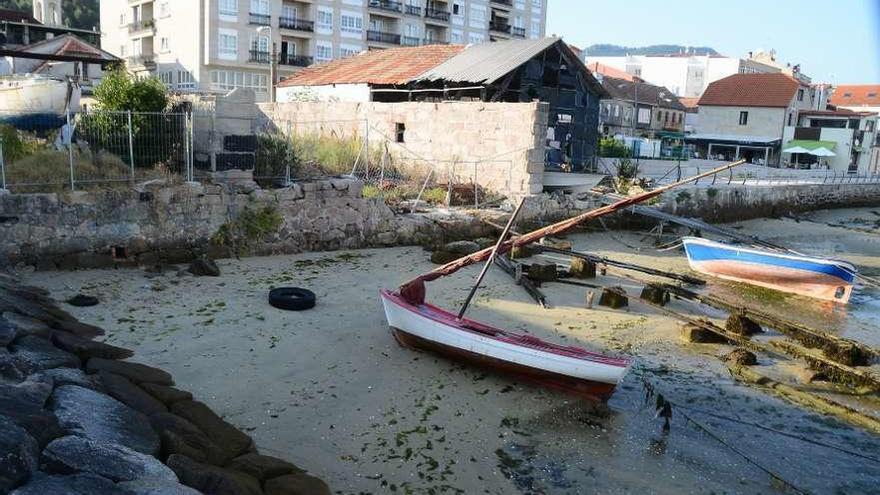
(448, 319)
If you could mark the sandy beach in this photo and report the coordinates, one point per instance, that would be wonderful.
(332, 391)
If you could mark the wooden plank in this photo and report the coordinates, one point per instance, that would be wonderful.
(510, 268)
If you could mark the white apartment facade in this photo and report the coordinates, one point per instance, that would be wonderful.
(219, 45)
(685, 75)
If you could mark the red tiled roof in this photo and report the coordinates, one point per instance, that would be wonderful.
(856, 95)
(607, 70)
(391, 66)
(689, 102)
(840, 112)
(751, 90)
(16, 16)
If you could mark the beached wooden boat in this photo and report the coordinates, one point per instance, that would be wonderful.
(570, 369)
(783, 271)
(36, 103)
(418, 324)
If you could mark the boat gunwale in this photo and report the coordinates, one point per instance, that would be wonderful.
(845, 265)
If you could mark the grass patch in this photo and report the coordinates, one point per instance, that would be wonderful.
(250, 227)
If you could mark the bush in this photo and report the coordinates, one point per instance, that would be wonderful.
(252, 225)
(627, 169)
(327, 155)
(434, 196)
(119, 91)
(274, 154)
(15, 143)
(612, 148)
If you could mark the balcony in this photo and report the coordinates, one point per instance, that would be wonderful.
(138, 26)
(386, 5)
(296, 24)
(503, 3)
(260, 19)
(437, 15)
(432, 41)
(141, 62)
(410, 41)
(412, 10)
(295, 60)
(380, 37)
(499, 26)
(259, 57)
(519, 32)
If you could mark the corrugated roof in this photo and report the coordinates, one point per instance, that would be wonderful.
(751, 90)
(391, 66)
(487, 62)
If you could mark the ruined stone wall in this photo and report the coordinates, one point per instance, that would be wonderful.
(507, 139)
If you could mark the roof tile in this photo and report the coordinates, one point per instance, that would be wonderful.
(751, 90)
(856, 95)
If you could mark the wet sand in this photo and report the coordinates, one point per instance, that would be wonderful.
(331, 390)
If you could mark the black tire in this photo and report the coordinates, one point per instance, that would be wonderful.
(292, 298)
(82, 300)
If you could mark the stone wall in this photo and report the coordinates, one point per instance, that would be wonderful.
(507, 139)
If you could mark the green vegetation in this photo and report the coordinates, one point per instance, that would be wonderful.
(328, 155)
(683, 197)
(612, 148)
(711, 192)
(274, 154)
(251, 226)
(120, 91)
(15, 144)
(627, 169)
(49, 170)
(83, 14)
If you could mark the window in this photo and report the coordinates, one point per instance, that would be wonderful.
(644, 116)
(616, 110)
(260, 44)
(260, 7)
(520, 4)
(478, 18)
(456, 9)
(226, 80)
(476, 38)
(351, 24)
(324, 22)
(123, 51)
(665, 118)
(535, 29)
(659, 116)
(323, 51)
(163, 44)
(456, 36)
(122, 19)
(800, 98)
(167, 78)
(790, 115)
(288, 11)
(743, 118)
(869, 126)
(400, 129)
(185, 80)
(227, 44)
(872, 95)
(228, 7)
(349, 50)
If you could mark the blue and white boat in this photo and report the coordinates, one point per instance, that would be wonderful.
(783, 271)
(37, 103)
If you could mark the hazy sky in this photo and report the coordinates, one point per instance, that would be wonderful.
(834, 41)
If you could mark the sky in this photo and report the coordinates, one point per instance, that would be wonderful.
(834, 41)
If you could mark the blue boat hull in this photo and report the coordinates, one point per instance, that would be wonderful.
(34, 122)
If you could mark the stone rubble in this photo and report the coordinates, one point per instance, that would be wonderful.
(75, 419)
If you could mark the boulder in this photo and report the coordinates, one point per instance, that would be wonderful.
(121, 389)
(81, 329)
(34, 354)
(72, 454)
(87, 413)
(212, 479)
(263, 467)
(25, 325)
(9, 367)
(556, 243)
(86, 349)
(461, 248)
(485, 242)
(613, 297)
(19, 453)
(520, 252)
(696, 334)
(581, 268)
(179, 436)
(296, 484)
(168, 395)
(8, 332)
(543, 272)
(136, 372)
(742, 325)
(70, 376)
(740, 357)
(23, 403)
(150, 486)
(204, 267)
(219, 431)
(847, 353)
(77, 484)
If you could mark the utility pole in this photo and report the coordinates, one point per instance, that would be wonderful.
(273, 60)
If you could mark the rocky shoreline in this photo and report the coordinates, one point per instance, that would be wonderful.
(79, 418)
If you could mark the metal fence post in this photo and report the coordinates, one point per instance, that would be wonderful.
(130, 145)
(70, 150)
(2, 168)
(192, 145)
(476, 193)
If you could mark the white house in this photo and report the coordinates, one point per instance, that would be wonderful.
(851, 136)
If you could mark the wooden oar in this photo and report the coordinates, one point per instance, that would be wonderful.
(414, 289)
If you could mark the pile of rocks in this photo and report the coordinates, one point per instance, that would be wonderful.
(76, 418)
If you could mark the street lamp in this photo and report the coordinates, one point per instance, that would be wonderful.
(261, 30)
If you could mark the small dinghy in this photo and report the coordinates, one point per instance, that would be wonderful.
(783, 271)
(418, 324)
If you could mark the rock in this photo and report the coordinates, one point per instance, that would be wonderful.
(520, 252)
(136, 372)
(86, 413)
(86, 349)
(149, 486)
(263, 467)
(542, 272)
(80, 329)
(77, 484)
(296, 484)
(167, 395)
(82, 300)
(23, 403)
(461, 248)
(19, 453)
(212, 479)
(179, 436)
(219, 431)
(485, 242)
(204, 267)
(121, 389)
(36, 354)
(655, 294)
(27, 326)
(846, 353)
(740, 357)
(741, 325)
(556, 243)
(613, 297)
(696, 334)
(581, 268)
(443, 257)
(70, 376)
(8, 332)
(8, 367)
(72, 454)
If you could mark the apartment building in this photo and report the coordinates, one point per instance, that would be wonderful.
(218, 45)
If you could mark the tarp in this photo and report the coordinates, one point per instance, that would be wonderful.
(807, 145)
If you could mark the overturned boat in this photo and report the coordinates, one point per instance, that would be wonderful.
(418, 324)
(37, 103)
(790, 272)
